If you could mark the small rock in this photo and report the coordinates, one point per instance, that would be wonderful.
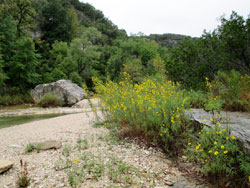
(169, 183)
(184, 158)
(5, 165)
(46, 145)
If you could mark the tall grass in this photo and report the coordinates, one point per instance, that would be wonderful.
(8, 100)
(49, 100)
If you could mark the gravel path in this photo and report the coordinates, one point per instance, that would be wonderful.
(42, 167)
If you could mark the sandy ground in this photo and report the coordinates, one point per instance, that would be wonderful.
(67, 129)
(13, 141)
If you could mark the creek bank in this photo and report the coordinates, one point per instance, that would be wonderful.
(68, 129)
(81, 106)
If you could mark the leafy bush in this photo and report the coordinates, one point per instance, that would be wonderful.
(49, 100)
(155, 108)
(197, 98)
(220, 155)
(76, 78)
(7, 100)
(234, 89)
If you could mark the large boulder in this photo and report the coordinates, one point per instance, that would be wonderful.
(66, 91)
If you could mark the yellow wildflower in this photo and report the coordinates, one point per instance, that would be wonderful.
(215, 142)
(218, 123)
(75, 160)
(189, 143)
(210, 151)
(227, 138)
(216, 153)
(225, 152)
(233, 137)
(197, 147)
(224, 130)
(204, 120)
(222, 147)
(227, 119)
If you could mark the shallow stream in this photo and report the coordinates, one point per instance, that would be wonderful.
(17, 120)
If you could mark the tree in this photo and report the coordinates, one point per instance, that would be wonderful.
(235, 33)
(22, 11)
(3, 76)
(134, 69)
(59, 22)
(85, 54)
(23, 65)
(8, 32)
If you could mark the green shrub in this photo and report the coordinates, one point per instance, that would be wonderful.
(220, 156)
(7, 100)
(197, 98)
(49, 100)
(76, 78)
(234, 89)
(155, 108)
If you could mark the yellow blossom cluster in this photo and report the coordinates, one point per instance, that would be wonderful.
(154, 104)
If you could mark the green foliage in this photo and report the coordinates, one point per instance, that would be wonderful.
(155, 107)
(57, 23)
(57, 74)
(66, 150)
(7, 100)
(23, 12)
(224, 49)
(8, 38)
(29, 148)
(49, 100)
(76, 78)
(197, 98)
(235, 33)
(213, 104)
(22, 70)
(220, 155)
(3, 77)
(134, 69)
(234, 89)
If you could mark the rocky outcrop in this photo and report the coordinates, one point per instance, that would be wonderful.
(66, 91)
(238, 122)
(5, 165)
